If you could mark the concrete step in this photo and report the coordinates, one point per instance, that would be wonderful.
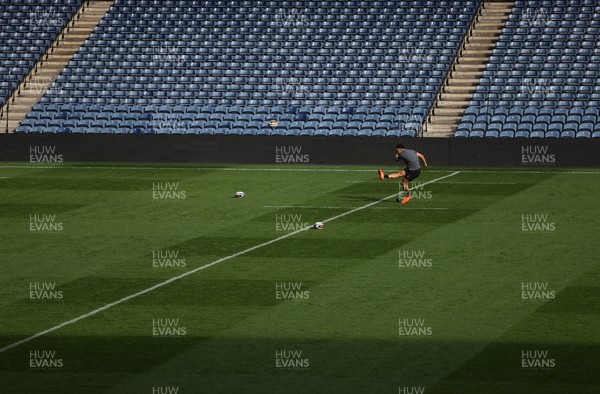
(490, 15)
(447, 120)
(485, 31)
(82, 27)
(455, 105)
(470, 57)
(30, 94)
(498, 14)
(75, 36)
(489, 43)
(479, 35)
(449, 112)
(493, 15)
(482, 39)
(476, 54)
(490, 18)
(455, 89)
(64, 50)
(473, 61)
(14, 118)
(490, 22)
(49, 72)
(70, 43)
(59, 57)
(480, 46)
(471, 67)
(462, 74)
(462, 81)
(495, 12)
(55, 61)
(439, 130)
(485, 53)
(506, 7)
(455, 97)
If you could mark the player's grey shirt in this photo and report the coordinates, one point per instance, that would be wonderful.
(410, 158)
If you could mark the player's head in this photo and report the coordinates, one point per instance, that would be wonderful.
(400, 148)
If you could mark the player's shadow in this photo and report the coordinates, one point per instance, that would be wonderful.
(364, 192)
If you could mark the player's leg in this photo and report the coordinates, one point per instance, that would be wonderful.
(407, 196)
(394, 175)
(405, 186)
(410, 176)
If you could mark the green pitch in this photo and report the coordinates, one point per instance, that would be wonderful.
(487, 282)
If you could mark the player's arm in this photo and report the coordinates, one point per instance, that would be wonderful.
(420, 156)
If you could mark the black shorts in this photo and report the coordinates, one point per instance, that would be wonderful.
(410, 175)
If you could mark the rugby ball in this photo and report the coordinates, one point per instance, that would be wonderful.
(319, 225)
(239, 194)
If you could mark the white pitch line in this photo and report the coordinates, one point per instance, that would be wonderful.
(450, 183)
(479, 183)
(317, 207)
(416, 208)
(363, 181)
(304, 207)
(125, 167)
(175, 278)
(282, 169)
(515, 171)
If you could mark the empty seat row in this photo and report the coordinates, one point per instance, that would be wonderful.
(526, 134)
(200, 129)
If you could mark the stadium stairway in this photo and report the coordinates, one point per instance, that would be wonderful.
(59, 55)
(457, 90)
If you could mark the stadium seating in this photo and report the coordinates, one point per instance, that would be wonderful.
(228, 67)
(27, 29)
(543, 78)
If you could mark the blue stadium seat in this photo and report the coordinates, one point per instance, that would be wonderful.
(567, 134)
(522, 134)
(238, 64)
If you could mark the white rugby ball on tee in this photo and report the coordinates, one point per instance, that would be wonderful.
(319, 226)
(239, 194)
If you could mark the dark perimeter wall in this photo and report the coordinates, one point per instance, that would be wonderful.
(296, 150)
